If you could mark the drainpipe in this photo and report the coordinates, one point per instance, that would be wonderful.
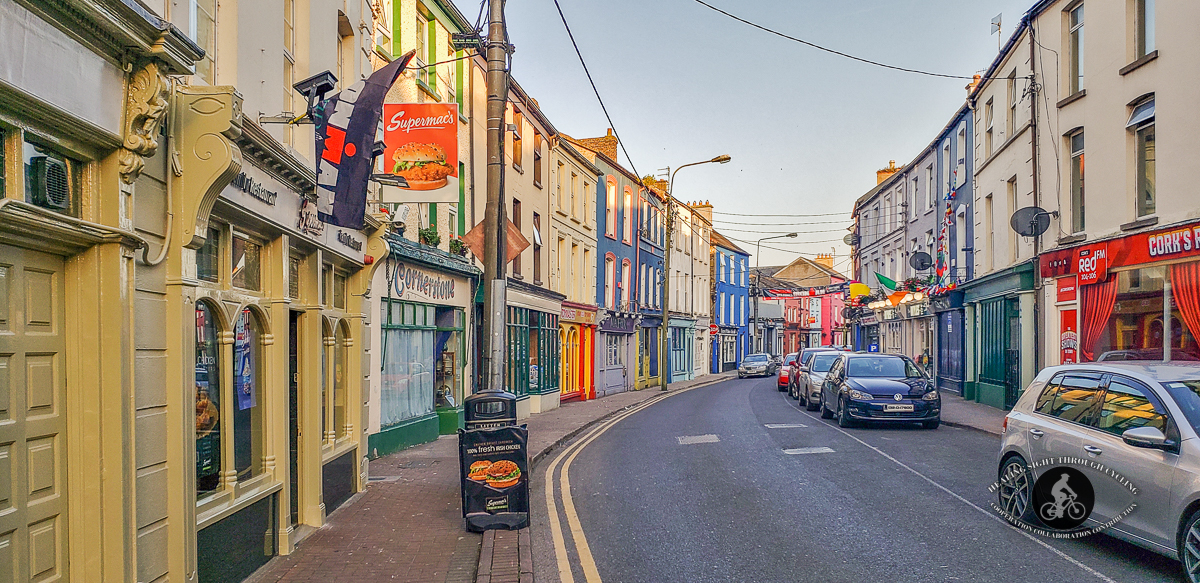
(1037, 201)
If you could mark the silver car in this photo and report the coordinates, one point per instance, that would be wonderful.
(1135, 421)
(812, 375)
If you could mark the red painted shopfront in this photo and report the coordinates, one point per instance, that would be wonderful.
(1131, 298)
(577, 332)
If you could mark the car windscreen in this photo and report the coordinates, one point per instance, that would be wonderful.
(892, 368)
(823, 362)
(1187, 396)
(789, 359)
(755, 359)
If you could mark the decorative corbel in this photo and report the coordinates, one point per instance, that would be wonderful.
(207, 122)
(145, 106)
(377, 248)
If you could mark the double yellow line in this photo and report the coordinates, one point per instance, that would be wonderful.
(582, 550)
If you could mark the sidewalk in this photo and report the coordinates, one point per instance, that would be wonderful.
(959, 412)
(408, 527)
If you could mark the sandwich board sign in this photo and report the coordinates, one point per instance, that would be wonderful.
(495, 477)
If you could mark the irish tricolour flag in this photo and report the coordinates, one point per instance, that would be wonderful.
(890, 286)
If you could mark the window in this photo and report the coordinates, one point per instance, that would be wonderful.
(339, 291)
(574, 290)
(341, 359)
(585, 201)
(537, 248)
(1012, 105)
(208, 402)
(931, 186)
(409, 339)
(1126, 407)
(1075, 398)
(610, 275)
(247, 411)
(574, 188)
(946, 166)
(610, 209)
(326, 283)
(960, 164)
(628, 210)
(625, 284)
(989, 234)
(614, 350)
(289, 65)
(558, 189)
(516, 219)
(1077, 191)
(537, 159)
(987, 124)
(1145, 27)
(561, 284)
(204, 30)
(1136, 329)
(1141, 122)
(517, 150)
(294, 277)
(1075, 49)
(913, 198)
(246, 263)
(208, 261)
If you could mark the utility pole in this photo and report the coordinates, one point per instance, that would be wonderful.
(495, 221)
(663, 360)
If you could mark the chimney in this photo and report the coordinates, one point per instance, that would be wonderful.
(972, 85)
(704, 209)
(885, 173)
(825, 259)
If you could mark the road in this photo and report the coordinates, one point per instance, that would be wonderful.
(698, 488)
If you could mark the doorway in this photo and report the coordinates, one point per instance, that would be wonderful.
(293, 419)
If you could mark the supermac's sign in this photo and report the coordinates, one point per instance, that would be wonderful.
(408, 282)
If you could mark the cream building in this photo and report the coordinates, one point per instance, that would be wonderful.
(702, 288)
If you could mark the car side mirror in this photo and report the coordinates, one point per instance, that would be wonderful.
(1147, 437)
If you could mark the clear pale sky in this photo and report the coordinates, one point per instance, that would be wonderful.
(806, 129)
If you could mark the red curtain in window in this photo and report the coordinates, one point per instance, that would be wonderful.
(1185, 286)
(1097, 302)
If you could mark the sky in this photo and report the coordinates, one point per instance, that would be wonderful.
(806, 129)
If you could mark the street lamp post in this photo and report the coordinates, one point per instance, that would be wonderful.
(758, 287)
(663, 361)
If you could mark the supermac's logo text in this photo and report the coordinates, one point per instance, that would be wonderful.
(408, 124)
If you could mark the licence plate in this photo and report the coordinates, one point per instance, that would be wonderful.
(902, 408)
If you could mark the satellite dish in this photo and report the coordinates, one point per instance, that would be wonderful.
(1030, 221)
(850, 239)
(920, 261)
(848, 313)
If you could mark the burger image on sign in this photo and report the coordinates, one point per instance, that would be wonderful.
(421, 147)
(422, 166)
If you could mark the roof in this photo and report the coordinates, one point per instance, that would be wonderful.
(400, 247)
(826, 270)
(720, 241)
(766, 279)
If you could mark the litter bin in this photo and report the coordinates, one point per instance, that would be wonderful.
(493, 463)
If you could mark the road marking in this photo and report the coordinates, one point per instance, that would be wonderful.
(986, 513)
(807, 450)
(694, 439)
(785, 426)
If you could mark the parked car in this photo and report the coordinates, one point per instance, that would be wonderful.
(783, 383)
(1155, 354)
(1140, 421)
(801, 363)
(758, 364)
(808, 384)
(879, 387)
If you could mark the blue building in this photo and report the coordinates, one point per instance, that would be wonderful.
(652, 235)
(731, 298)
(957, 228)
(617, 192)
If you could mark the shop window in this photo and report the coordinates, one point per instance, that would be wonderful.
(1136, 328)
(246, 263)
(208, 401)
(52, 180)
(294, 277)
(339, 291)
(407, 387)
(326, 283)
(518, 351)
(341, 358)
(247, 408)
(208, 258)
(448, 351)
(326, 342)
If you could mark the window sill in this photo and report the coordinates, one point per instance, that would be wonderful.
(537, 183)
(1131, 67)
(1071, 239)
(1071, 99)
(1148, 221)
(517, 167)
(517, 277)
(561, 212)
(429, 90)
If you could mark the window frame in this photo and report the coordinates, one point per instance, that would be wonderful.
(1078, 192)
(1144, 21)
(1075, 48)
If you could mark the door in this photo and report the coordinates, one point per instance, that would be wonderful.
(33, 444)
(293, 418)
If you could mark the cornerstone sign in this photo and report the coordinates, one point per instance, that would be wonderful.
(410, 282)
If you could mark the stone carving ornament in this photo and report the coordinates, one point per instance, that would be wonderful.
(145, 107)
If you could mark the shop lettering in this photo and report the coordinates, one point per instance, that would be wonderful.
(407, 279)
(308, 222)
(254, 188)
(1173, 242)
(419, 123)
(345, 239)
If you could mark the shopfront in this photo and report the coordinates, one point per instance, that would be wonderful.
(681, 348)
(950, 360)
(422, 297)
(1001, 327)
(726, 348)
(617, 333)
(648, 348)
(534, 350)
(1129, 298)
(577, 336)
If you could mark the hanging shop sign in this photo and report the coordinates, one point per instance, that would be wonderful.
(577, 315)
(410, 282)
(620, 324)
(868, 319)
(1092, 262)
(814, 312)
(1066, 288)
(421, 152)
(1068, 338)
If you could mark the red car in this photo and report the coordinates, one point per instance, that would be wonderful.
(785, 372)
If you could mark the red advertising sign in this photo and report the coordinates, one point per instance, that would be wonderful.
(1092, 262)
(421, 150)
(1068, 338)
(1066, 289)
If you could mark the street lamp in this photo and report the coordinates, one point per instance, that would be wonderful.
(663, 327)
(758, 292)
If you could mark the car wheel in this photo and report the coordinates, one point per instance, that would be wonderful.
(797, 396)
(843, 415)
(809, 405)
(781, 388)
(1016, 488)
(825, 412)
(931, 424)
(1189, 547)
(741, 376)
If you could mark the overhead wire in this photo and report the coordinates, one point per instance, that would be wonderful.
(779, 215)
(826, 49)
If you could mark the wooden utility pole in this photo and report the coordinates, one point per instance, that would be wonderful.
(495, 220)
(664, 361)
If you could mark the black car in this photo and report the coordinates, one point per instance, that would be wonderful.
(879, 387)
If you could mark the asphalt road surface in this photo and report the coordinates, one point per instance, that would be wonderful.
(698, 487)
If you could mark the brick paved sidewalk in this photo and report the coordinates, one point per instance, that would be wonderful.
(959, 412)
(408, 526)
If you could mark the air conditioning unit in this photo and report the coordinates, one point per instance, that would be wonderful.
(49, 183)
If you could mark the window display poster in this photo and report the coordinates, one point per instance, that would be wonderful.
(243, 362)
(1068, 338)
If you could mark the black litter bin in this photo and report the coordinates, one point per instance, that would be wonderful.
(494, 463)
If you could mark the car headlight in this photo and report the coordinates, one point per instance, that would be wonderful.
(860, 396)
(931, 395)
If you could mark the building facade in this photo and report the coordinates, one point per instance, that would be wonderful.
(651, 240)
(731, 302)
